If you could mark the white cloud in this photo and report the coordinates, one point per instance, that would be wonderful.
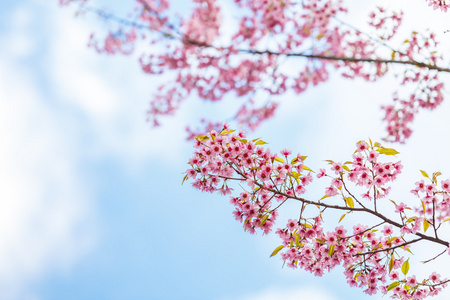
(19, 42)
(46, 221)
(111, 93)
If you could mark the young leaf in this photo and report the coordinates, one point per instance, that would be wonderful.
(297, 240)
(392, 239)
(426, 224)
(424, 207)
(331, 251)
(405, 267)
(184, 179)
(264, 219)
(387, 151)
(391, 263)
(227, 131)
(202, 138)
(277, 249)
(424, 174)
(393, 285)
(279, 160)
(342, 217)
(412, 219)
(350, 202)
(307, 169)
(260, 142)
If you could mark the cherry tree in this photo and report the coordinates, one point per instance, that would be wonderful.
(208, 57)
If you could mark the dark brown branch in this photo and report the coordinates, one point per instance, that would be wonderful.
(390, 248)
(353, 59)
(188, 41)
(337, 207)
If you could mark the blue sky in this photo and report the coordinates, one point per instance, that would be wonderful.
(92, 205)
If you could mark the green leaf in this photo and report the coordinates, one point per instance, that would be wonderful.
(307, 225)
(297, 240)
(279, 160)
(405, 267)
(202, 138)
(424, 207)
(391, 263)
(392, 239)
(426, 224)
(377, 246)
(307, 169)
(227, 131)
(184, 179)
(331, 251)
(412, 219)
(277, 249)
(295, 174)
(264, 219)
(260, 142)
(350, 202)
(346, 168)
(387, 151)
(424, 174)
(435, 175)
(393, 285)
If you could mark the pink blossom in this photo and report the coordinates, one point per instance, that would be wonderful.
(336, 167)
(400, 207)
(331, 191)
(285, 152)
(321, 173)
(372, 156)
(361, 146)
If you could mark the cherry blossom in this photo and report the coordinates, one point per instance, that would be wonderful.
(374, 257)
(207, 57)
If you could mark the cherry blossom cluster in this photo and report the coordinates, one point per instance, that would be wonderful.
(207, 58)
(373, 257)
(366, 255)
(387, 23)
(221, 158)
(428, 92)
(435, 199)
(439, 4)
(365, 170)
